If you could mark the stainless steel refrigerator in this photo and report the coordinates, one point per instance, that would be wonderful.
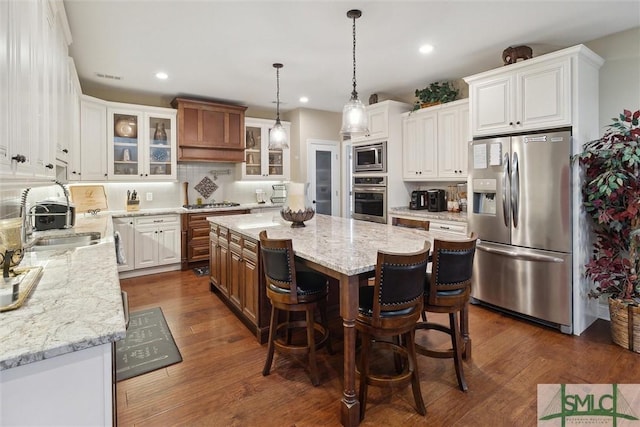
(519, 205)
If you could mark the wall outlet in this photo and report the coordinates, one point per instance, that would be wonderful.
(149, 196)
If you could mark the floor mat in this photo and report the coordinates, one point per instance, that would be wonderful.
(148, 345)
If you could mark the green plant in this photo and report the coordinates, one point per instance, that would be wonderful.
(611, 198)
(436, 92)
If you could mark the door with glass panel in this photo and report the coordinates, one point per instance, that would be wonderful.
(324, 176)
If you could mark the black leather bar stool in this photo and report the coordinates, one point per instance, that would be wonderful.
(447, 290)
(390, 309)
(293, 291)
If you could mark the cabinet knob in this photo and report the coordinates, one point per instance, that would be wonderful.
(518, 122)
(49, 166)
(65, 151)
(74, 172)
(19, 158)
(510, 123)
(105, 174)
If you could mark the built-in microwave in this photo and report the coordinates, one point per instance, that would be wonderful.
(370, 157)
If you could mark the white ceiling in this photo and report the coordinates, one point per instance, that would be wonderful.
(224, 50)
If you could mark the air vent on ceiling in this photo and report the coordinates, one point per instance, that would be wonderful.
(108, 76)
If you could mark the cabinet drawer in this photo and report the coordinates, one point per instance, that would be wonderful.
(448, 227)
(196, 217)
(194, 233)
(197, 253)
(235, 239)
(223, 233)
(157, 219)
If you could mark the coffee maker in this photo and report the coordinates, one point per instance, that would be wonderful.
(437, 201)
(419, 200)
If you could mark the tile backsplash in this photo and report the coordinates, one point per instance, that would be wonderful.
(162, 194)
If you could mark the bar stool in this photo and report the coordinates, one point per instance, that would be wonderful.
(293, 291)
(447, 290)
(390, 309)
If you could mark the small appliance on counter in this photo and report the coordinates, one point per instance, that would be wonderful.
(51, 214)
(437, 200)
(419, 200)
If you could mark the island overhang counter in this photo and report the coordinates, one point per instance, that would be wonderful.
(342, 248)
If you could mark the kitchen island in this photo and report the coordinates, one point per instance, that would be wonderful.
(341, 248)
(56, 364)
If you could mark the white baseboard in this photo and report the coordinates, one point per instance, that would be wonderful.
(150, 270)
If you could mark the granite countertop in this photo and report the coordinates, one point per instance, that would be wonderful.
(76, 304)
(341, 244)
(443, 216)
(181, 210)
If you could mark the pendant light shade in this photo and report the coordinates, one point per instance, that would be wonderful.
(354, 114)
(278, 136)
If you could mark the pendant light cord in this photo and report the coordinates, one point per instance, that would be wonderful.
(278, 94)
(354, 94)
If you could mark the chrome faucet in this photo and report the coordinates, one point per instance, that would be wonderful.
(67, 217)
(26, 225)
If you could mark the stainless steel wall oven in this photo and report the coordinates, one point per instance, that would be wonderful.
(370, 198)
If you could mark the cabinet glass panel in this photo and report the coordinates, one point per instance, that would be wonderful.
(253, 151)
(125, 144)
(159, 146)
(275, 160)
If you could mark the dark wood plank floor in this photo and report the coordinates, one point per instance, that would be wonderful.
(220, 382)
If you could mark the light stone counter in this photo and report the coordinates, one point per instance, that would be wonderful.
(424, 214)
(76, 305)
(341, 244)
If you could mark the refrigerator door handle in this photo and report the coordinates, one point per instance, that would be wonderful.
(515, 189)
(505, 180)
(515, 253)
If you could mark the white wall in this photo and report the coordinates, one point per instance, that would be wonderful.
(620, 74)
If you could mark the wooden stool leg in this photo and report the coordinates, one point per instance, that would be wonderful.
(415, 375)
(364, 371)
(456, 341)
(464, 327)
(312, 345)
(272, 336)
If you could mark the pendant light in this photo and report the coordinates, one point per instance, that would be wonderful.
(354, 114)
(278, 136)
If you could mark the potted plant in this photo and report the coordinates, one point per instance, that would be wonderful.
(435, 93)
(611, 198)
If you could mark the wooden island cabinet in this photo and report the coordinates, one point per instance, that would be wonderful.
(235, 273)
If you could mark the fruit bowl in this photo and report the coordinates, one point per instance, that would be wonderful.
(297, 218)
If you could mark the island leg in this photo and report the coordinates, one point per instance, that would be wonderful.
(350, 406)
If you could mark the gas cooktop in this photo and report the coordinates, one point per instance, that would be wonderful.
(212, 205)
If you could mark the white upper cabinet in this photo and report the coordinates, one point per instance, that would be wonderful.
(34, 39)
(379, 116)
(93, 141)
(434, 142)
(261, 163)
(141, 143)
(530, 95)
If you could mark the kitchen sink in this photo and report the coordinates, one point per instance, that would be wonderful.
(66, 241)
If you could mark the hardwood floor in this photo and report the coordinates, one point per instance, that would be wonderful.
(220, 382)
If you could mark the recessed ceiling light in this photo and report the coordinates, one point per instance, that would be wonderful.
(426, 48)
(304, 99)
(162, 75)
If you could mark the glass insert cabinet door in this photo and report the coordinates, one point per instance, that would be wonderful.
(126, 144)
(253, 152)
(261, 163)
(159, 142)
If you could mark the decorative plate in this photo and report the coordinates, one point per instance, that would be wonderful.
(160, 155)
(206, 187)
(126, 127)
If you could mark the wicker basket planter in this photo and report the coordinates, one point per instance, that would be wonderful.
(625, 324)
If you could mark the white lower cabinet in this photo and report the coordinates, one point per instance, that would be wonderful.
(157, 240)
(453, 227)
(72, 389)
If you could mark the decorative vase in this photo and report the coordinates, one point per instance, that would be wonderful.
(251, 140)
(625, 324)
(160, 134)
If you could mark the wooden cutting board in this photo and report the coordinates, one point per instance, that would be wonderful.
(88, 197)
